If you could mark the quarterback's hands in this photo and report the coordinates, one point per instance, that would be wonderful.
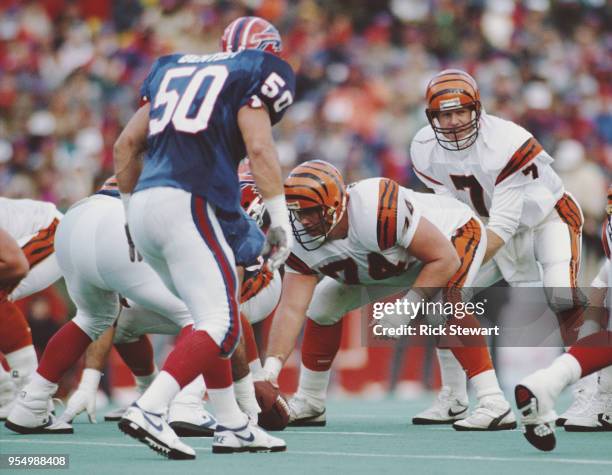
(134, 254)
(278, 245)
(84, 398)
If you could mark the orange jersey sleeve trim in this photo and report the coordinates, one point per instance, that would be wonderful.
(386, 225)
(41, 245)
(299, 265)
(525, 154)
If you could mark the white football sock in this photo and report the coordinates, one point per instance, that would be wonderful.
(159, 394)
(452, 374)
(486, 385)
(24, 361)
(225, 407)
(313, 384)
(193, 392)
(143, 382)
(565, 370)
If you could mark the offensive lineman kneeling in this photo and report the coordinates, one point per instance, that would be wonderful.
(186, 415)
(92, 252)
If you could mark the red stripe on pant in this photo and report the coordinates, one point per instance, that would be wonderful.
(207, 232)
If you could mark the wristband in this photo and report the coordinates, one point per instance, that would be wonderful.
(277, 209)
(273, 365)
(90, 379)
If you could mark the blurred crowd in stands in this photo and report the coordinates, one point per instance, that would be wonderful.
(70, 72)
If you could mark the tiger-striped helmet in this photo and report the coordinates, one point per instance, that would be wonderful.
(448, 90)
(316, 198)
(609, 206)
(251, 32)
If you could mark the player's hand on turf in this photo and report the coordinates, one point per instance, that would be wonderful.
(134, 254)
(84, 398)
(278, 245)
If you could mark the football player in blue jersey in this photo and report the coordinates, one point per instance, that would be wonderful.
(200, 116)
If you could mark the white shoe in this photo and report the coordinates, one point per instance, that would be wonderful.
(445, 410)
(115, 414)
(582, 392)
(151, 429)
(305, 413)
(189, 419)
(492, 413)
(246, 438)
(537, 416)
(31, 414)
(595, 417)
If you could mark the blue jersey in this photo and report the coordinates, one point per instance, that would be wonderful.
(194, 141)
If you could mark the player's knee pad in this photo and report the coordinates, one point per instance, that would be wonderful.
(93, 326)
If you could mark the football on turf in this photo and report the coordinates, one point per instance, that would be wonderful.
(274, 413)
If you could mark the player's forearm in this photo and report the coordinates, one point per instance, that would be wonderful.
(128, 149)
(494, 244)
(436, 274)
(128, 167)
(284, 333)
(13, 263)
(266, 169)
(97, 352)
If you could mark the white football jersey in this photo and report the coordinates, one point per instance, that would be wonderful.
(505, 176)
(22, 219)
(383, 218)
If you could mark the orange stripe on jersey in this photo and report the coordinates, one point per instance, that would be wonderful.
(428, 178)
(605, 228)
(386, 225)
(466, 241)
(570, 214)
(525, 154)
(299, 265)
(41, 245)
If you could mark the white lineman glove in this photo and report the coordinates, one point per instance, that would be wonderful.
(280, 236)
(84, 398)
(278, 245)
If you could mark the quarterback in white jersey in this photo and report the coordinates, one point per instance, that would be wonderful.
(534, 228)
(356, 245)
(502, 172)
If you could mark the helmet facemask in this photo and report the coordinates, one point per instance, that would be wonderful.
(453, 138)
(312, 237)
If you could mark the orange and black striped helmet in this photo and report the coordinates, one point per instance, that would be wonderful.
(314, 189)
(609, 206)
(453, 89)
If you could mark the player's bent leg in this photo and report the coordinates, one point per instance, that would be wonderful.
(16, 344)
(319, 348)
(536, 394)
(330, 302)
(96, 311)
